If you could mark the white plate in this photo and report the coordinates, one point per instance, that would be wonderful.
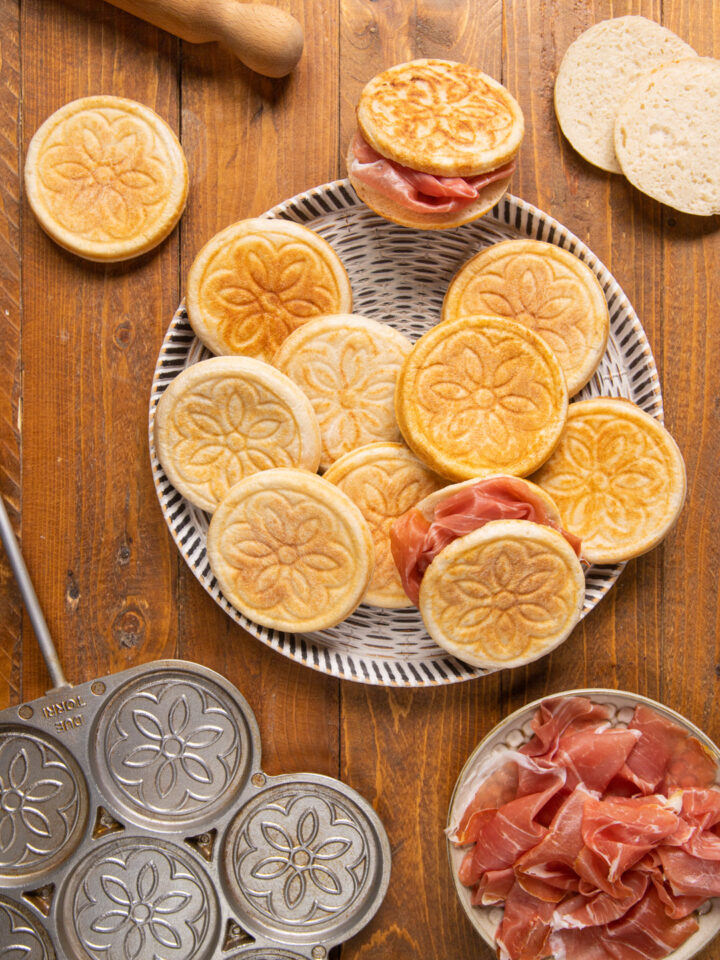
(515, 730)
(400, 276)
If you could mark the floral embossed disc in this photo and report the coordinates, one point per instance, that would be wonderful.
(43, 804)
(480, 395)
(290, 550)
(21, 936)
(543, 286)
(257, 280)
(175, 749)
(617, 477)
(347, 366)
(106, 177)
(503, 595)
(440, 117)
(384, 480)
(138, 898)
(304, 862)
(229, 417)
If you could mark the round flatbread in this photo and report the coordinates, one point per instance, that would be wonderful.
(290, 550)
(347, 366)
(481, 395)
(106, 177)
(544, 287)
(258, 280)
(667, 135)
(440, 117)
(596, 73)
(383, 480)
(503, 595)
(617, 477)
(225, 418)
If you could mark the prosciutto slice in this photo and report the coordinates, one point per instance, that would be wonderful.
(599, 842)
(413, 190)
(415, 541)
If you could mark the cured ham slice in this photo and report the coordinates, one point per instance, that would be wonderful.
(601, 908)
(621, 831)
(561, 715)
(647, 931)
(581, 869)
(414, 190)
(525, 928)
(415, 541)
(547, 870)
(494, 887)
(665, 756)
(688, 875)
(514, 828)
(644, 933)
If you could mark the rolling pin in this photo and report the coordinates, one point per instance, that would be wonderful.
(264, 38)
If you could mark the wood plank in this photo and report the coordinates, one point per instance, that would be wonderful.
(252, 142)
(93, 534)
(688, 320)
(11, 317)
(407, 752)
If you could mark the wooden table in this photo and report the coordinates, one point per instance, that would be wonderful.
(80, 340)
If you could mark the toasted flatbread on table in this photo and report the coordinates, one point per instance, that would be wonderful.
(290, 550)
(257, 280)
(544, 287)
(225, 418)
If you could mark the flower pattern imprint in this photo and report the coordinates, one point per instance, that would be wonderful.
(288, 552)
(445, 106)
(301, 860)
(351, 385)
(39, 803)
(543, 294)
(139, 901)
(173, 748)
(499, 403)
(386, 491)
(104, 175)
(221, 432)
(258, 289)
(20, 936)
(508, 600)
(608, 478)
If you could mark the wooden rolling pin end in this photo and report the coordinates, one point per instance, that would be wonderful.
(263, 37)
(271, 41)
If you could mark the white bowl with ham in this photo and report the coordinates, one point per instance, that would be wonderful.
(596, 834)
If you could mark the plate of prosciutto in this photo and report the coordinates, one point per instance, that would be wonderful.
(588, 825)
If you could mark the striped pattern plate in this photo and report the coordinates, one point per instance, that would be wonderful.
(400, 276)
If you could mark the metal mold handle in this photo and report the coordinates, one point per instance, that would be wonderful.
(32, 604)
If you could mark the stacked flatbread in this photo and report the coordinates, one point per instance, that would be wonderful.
(632, 97)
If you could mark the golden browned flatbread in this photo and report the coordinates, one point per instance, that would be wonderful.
(503, 595)
(440, 117)
(617, 477)
(257, 281)
(225, 418)
(290, 550)
(383, 480)
(481, 395)
(547, 289)
(106, 177)
(347, 366)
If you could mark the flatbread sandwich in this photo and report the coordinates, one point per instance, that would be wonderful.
(435, 145)
(497, 580)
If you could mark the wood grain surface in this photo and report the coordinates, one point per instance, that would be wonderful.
(80, 340)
